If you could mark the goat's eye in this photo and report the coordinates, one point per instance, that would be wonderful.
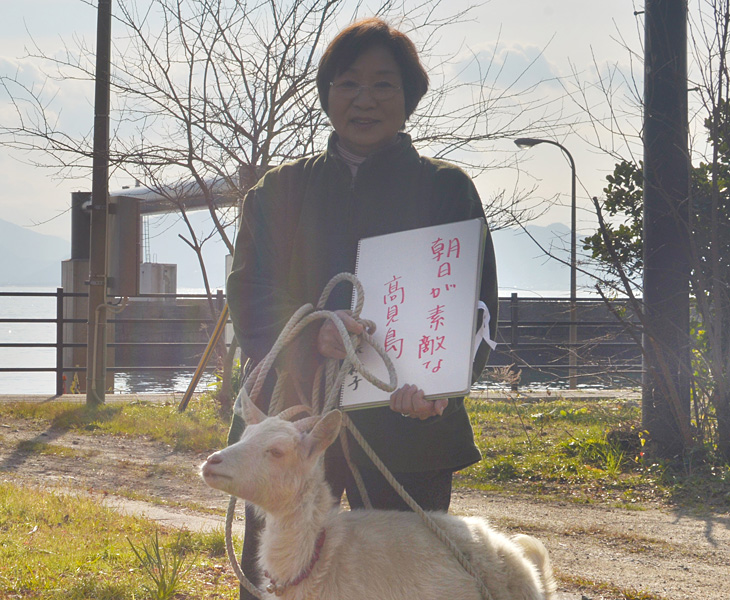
(276, 452)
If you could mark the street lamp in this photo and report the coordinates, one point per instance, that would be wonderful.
(573, 334)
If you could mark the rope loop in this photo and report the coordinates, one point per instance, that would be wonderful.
(357, 290)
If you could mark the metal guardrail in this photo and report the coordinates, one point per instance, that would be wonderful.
(60, 343)
(533, 339)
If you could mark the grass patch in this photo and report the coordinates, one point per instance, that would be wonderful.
(63, 547)
(197, 429)
(36, 447)
(590, 452)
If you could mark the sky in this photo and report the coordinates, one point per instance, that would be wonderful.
(559, 39)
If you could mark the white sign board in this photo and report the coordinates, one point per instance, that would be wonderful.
(421, 289)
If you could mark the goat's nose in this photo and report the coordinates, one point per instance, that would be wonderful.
(214, 459)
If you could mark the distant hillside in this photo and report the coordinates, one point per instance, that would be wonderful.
(30, 258)
(521, 265)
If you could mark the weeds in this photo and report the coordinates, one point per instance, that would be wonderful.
(588, 452)
(598, 452)
(163, 566)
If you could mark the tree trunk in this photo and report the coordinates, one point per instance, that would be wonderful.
(667, 366)
(722, 408)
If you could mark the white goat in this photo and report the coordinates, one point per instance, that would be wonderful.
(312, 550)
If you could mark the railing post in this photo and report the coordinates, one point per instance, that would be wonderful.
(514, 315)
(220, 301)
(59, 342)
(573, 346)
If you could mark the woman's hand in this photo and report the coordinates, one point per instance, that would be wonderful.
(410, 401)
(329, 342)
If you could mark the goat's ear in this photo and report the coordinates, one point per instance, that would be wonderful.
(324, 433)
(251, 414)
(294, 411)
(307, 424)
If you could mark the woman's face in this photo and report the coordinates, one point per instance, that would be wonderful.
(368, 118)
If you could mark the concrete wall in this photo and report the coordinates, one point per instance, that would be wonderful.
(162, 332)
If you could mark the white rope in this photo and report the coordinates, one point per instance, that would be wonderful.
(232, 558)
(333, 382)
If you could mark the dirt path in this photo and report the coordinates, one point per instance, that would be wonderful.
(598, 552)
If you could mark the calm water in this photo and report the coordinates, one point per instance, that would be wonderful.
(27, 308)
(45, 383)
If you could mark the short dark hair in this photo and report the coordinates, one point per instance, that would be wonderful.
(355, 39)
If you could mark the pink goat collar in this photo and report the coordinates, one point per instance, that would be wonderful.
(279, 588)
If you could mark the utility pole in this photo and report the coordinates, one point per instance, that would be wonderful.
(96, 340)
(665, 386)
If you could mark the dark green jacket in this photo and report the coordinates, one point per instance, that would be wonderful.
(300, 226)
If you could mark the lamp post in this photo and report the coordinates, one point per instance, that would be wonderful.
(573, 331)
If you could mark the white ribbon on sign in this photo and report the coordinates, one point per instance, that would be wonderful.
(483, 331)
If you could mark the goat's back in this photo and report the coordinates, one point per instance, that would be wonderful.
(392, 555)
(538, 555)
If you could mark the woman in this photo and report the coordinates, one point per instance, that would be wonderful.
(300, 226)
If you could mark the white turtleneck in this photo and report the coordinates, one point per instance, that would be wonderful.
(353, 161)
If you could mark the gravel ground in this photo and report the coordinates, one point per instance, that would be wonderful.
(598, 552)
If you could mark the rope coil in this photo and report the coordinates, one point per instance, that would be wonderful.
(334, 377)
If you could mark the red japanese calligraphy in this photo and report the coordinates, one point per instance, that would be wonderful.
(436, 317)
(437, 249)
(454, 248)
(392, 343)
(394, 293)
(391, 315)
(435, 368)
(444, 269)
(436, 292)
(430, 345)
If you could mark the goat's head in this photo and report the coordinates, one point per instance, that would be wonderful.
(274, 459)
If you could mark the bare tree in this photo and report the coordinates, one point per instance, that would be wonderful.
(711, 272)
(216, 91)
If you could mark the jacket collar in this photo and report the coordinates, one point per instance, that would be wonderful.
(400, 150)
